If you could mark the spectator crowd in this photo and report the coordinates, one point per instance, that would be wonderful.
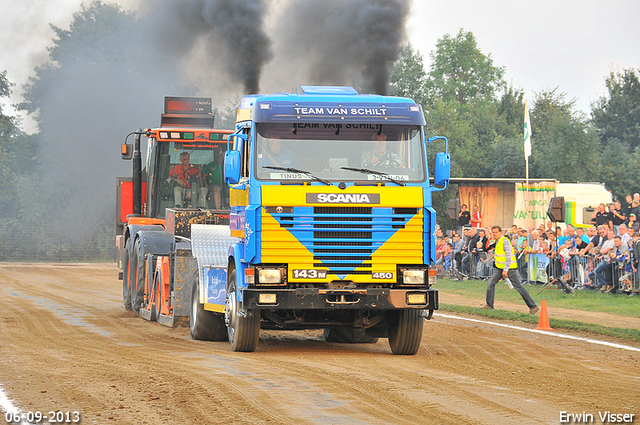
(603, 257)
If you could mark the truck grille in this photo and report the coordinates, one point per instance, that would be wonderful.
(342, 239)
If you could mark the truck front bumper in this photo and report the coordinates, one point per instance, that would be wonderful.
(330, 299)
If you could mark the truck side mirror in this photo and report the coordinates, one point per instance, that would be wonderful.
(126, 150)
(232, 167)
(442, 169)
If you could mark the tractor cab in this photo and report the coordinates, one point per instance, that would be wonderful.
(183, 168)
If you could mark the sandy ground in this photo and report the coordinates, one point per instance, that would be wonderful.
(67, 344)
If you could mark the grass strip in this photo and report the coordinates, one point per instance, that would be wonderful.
(626, 334)
(585, 300)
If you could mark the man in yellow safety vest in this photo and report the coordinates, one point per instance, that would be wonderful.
(506, 267)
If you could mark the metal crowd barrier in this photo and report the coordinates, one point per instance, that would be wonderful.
(576, 273)
(579, 272)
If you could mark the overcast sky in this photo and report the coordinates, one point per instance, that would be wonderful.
(543, 44)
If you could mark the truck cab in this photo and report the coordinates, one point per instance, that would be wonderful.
(331, 203)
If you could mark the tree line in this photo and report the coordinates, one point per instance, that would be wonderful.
(465, 98)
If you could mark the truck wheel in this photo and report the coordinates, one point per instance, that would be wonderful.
(126, 276)
(348, 336)
(157, 298)
(243, 329)
(137, 278)
(405, 331)
(205, 325)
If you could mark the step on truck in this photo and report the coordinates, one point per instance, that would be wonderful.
(326, 223)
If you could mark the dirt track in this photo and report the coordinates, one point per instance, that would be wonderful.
(67, 344)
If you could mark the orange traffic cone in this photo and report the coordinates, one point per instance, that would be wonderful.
(543, 323)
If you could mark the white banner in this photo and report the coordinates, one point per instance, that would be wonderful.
(539, 195)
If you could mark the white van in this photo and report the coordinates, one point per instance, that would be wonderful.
(581, 200)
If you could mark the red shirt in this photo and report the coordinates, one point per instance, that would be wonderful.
(477, 216)
(178, 171)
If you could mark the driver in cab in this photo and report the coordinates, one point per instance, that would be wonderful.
(189, 182)
(276, 155)
(379, 156)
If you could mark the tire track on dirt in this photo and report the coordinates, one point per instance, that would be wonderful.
(134, 371)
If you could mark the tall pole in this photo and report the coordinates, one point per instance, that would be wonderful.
(527, 153)
(527, 186)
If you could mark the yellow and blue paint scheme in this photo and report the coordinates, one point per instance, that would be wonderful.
(329, 241)
(362, 243)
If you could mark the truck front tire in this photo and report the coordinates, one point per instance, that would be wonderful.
(243, 328)
(405, 331)
(157, 293)
(126, 276)
(205, 325)
(137, 279)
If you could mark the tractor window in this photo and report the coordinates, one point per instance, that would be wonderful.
(190, 175)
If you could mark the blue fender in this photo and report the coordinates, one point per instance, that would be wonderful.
(236, 252)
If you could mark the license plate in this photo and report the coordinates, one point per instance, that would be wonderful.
(308, 274)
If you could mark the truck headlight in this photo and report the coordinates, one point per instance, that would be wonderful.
(416, 298)
(413, 277)
(267, 298)
(267, 276)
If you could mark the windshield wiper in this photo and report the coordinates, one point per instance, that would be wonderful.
(378, 173)
(296, 170)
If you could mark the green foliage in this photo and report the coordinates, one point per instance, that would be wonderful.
(55, 210)
(565, 146)
(464, 103)
(618, 168)
(616, 118)
(511, 110)
(97, 38)
(226, 118)
(460, 72)
(5, 85)
(17, 156)
(409, 77)
(618, 114)
(506, 159)
(94, 35)
(445, 119)
(7, 124)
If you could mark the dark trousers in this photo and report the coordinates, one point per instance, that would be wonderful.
(514, 277)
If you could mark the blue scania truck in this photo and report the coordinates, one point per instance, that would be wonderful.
(329, 225)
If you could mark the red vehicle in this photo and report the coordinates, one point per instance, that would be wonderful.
(180, 184)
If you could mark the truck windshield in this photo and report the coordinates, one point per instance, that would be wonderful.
(324, 149)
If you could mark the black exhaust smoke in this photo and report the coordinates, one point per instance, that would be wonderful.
(339, 42)
(231, 31)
